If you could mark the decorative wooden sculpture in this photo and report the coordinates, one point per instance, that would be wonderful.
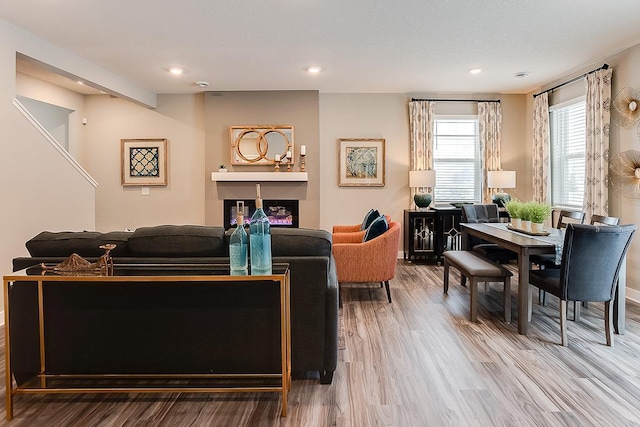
(76, 265)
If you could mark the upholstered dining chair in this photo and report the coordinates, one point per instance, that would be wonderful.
(591, 260)
(479, 213)
(373, 261)
(548, 261)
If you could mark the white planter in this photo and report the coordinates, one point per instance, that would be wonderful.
(516, 223)
(222, 170)
(537, 227)
(526, 226)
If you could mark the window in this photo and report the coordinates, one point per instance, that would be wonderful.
(456, 159)
(567, 123)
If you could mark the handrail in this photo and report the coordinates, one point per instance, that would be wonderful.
(68, 157)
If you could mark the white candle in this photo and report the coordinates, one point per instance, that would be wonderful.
(303, 150)
(277, 157)
(289, 154)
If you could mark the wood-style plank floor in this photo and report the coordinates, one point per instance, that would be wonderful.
(415, 362)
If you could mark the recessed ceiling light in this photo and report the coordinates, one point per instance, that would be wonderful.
(80, 82)
(314, 69)
(202, 84)
(521, 74)
(475, 70)
(176, 70)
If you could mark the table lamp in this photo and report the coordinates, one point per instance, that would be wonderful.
(501, 180)
(422, 179)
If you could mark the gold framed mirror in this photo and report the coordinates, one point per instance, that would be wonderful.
(259, 145)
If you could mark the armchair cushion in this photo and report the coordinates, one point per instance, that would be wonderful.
(371, 216)
(377, 228)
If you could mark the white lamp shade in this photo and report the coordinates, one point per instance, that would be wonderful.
(501, 179)
(422, 178)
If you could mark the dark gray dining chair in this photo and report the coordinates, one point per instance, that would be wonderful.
(591, 260)
(479, 213)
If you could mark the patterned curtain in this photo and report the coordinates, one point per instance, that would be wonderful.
(421, 115)
(490, 130)
(596, 191)
(541, 146)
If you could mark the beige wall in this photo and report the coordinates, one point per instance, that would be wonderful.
(296, 108)
(179, 119)
(386, 116)
(625, 73)
(363, 116)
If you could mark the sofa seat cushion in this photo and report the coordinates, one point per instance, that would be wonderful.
(83, 243)
(177, 241)
(300, 242)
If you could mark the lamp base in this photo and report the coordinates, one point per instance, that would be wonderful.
(500, 199)
(422, 200)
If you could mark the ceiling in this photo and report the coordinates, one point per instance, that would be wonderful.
(363, 46)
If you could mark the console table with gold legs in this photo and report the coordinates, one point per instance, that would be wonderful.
(114, 382)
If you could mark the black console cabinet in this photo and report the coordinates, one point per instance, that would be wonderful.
(430, 232)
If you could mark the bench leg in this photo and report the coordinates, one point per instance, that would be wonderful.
(474, 299)
(507, 299)
(446, 276)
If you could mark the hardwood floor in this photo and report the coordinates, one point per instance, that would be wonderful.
(415, 362)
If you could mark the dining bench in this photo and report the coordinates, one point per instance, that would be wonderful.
(478, 269)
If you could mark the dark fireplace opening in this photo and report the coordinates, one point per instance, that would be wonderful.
(281, 213)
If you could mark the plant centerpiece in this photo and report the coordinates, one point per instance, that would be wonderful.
(222, 168)
(513, 208)
(525, 216)
(539, 214)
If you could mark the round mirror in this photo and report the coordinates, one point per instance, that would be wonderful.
(260, 144)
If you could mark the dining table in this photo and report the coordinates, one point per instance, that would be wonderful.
(524, 245)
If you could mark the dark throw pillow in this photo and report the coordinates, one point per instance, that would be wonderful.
(377, 228)
(369, 218)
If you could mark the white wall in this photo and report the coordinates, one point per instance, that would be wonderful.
(39, 90)
(38, 188)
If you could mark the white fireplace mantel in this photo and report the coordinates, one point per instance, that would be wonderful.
(259, 176)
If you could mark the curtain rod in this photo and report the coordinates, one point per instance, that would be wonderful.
(457, 100)
(605, 66)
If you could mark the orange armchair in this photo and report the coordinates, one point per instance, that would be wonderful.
(371, 261)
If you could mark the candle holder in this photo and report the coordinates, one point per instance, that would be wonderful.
(302, 162)
(288, 161)
(277, 165)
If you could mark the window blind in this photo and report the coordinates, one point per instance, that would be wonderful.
(456, 160)
(567, 126)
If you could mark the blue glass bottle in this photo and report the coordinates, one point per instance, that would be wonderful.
(260, 240)
(238, 261)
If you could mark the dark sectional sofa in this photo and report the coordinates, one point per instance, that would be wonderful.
(206, 330)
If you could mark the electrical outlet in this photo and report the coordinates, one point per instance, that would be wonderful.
(145, 191)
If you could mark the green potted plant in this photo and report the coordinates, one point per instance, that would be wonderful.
(525, 216)
(222, 168)
(539, 214)
(513, 208)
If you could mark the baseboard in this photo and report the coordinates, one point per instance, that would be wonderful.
(633, 295)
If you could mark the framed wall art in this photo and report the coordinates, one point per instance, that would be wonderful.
(144, 161)
(361, 162)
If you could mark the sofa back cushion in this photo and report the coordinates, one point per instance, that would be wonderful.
(300, 242)
(177, 241)
(83, 243)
